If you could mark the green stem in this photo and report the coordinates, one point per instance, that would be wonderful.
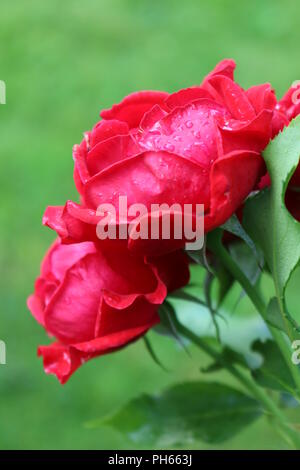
(254, 295)
(269, 406)
(280, 302)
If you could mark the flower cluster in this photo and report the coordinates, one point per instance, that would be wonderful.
(199, 145)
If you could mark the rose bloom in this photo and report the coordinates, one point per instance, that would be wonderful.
(199, 145)
(95, 300)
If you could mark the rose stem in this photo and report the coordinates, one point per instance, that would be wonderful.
(216, 246)
(289, 434)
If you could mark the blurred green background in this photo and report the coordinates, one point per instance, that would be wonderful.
(62, 62)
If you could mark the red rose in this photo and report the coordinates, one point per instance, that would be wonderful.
(292, 201)
(95, 300)
(198, 145)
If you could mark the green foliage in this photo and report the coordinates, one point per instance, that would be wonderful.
(167, 325)
(224, 284)
(273, 372)
(273, 315)
(152, 353)
(184, 414)
(267, 219)
(227, 357)
(234, 226)
(244, 257)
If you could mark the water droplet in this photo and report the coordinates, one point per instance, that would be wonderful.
(157, 142)
(169, 147)
(154, 131)
(189, 124)
(187, 149)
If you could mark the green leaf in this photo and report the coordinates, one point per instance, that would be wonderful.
(183, 295)
(288, 401)
(234, 226)
(153, 354)
(185, 414)
(207, 288)
(224, 283)
(273, 372)
(267, 219)
(166, 326)
(243, 256)
(200, 257)
(273, 315)
(227, 356)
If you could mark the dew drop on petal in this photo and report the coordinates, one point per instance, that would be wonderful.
(189, 124)
(169, 147)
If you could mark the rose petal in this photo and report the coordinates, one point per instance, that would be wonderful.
(61, 360)
(104, 130)
(110, 151)
(232, 178)
(189, 132)
(149, 178)
(233, 97)
(134, 106)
